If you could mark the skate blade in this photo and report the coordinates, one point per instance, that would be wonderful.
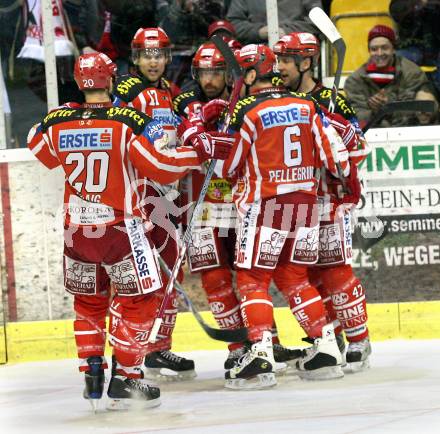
(165, 375)
(326, 373)
(131, 404)
(94, 403)
(261, 381)
(281, 368)
(355, 367)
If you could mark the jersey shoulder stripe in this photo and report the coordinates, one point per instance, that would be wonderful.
(183, 100)
(342, 106)
(128, 87)
(131, 117)
(241, 108)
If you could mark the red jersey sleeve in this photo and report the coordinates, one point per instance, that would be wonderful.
(160, 163)
(39, 145)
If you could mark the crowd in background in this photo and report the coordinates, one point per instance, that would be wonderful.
(109, 26)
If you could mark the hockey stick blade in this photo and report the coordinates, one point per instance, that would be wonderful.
(425, 106)
(321, 20)
(237, 335)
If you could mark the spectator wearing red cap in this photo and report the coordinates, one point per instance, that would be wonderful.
(385, 77)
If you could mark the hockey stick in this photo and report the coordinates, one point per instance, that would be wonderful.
(237, 335)
(400, 106)
(238, 80)
(322, 21)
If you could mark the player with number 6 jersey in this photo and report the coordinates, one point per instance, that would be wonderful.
(108, 155)
(280, 141)
(343, 293)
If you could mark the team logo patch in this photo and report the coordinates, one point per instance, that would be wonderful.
(270, 244)
(154, 131)
(217, 307)
(330, 244)
(305, 249)
(83, 139)
(202, 250)
(339, 299)
(123, 276)
(79, 277)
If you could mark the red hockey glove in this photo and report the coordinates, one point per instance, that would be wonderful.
(212, 110)
(354, 187)
(187, 130)
(213, 145)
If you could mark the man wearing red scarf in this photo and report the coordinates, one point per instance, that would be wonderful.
(384, 78)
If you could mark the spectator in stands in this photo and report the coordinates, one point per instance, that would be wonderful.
(421, 118)
(250, 21)
(384, 78)
(419, 38)
(186, 22)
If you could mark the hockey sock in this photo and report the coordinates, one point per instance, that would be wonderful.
(316, 281)
(222, 300)
(303, 298)
(256, 303)
(89, 326)
(275, 337)
(131, 319)
(348, 300)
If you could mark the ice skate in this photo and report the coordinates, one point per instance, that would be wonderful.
(94, 379)
(285, 358)
(131, 393)
(358, 355)
(234, 356)
(323, 360)
(165, 365)
(341, 345)
(255, 369)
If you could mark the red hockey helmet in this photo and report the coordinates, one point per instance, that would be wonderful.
(223, 25)
(259, 57)
(152, 40)
(208, 56)
(94, 71)
(297, 44)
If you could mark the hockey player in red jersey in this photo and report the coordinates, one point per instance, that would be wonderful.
(148, 91)
(107, 154)
(343, 293)
(211, 254)
(280, 140)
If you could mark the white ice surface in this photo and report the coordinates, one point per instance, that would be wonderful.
(399, 394)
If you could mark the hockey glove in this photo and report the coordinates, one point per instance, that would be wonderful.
(212, 110)
(213, 145)
(354, 187)
(187, 130)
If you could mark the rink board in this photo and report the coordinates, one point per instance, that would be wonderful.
(49, 340)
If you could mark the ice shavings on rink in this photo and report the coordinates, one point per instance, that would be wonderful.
(399, 394)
